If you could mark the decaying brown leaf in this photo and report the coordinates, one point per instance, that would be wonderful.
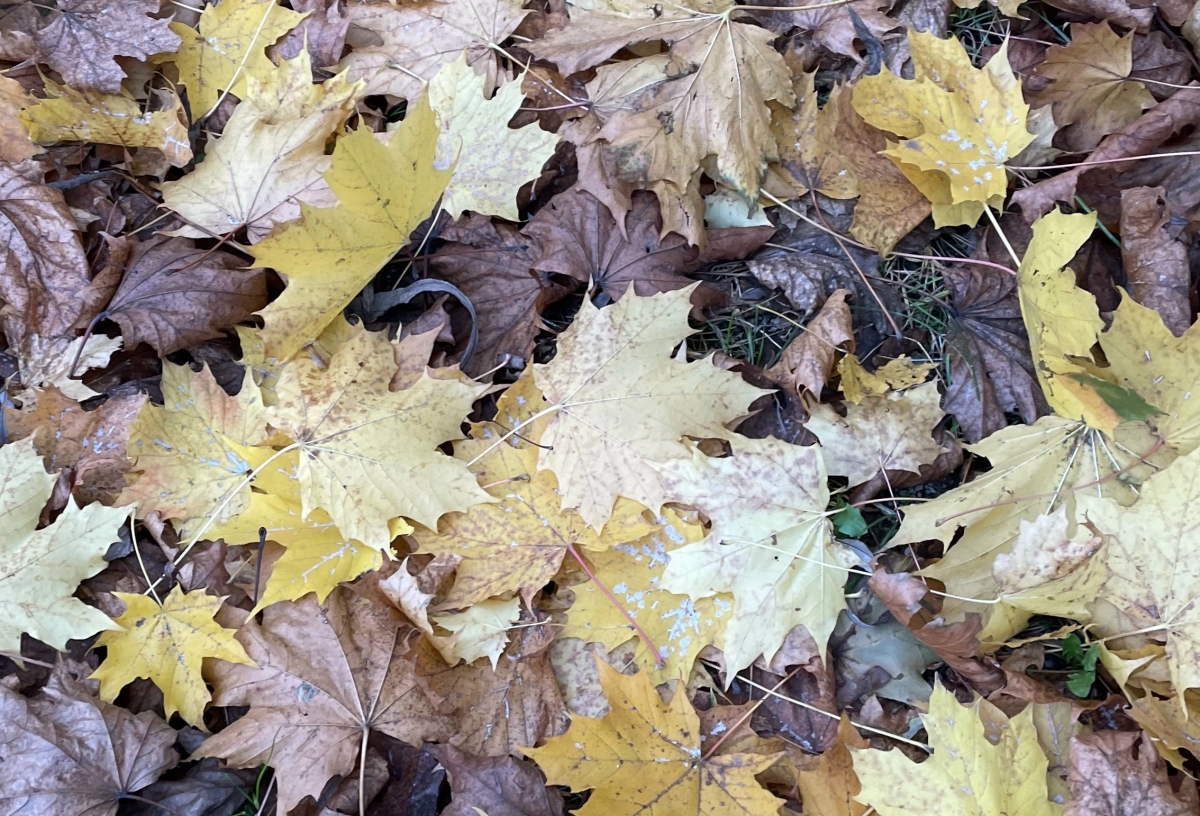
(1156, 264)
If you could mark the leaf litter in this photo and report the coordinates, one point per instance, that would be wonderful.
(474, 408)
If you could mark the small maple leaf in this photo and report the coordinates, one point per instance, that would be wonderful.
(982, 763)
(229, 47)
(491, 161)
(269, 157)
(384, 191)
(166, 643)
(959, 124)
(40, 569)
(70, 115)
(645, 757)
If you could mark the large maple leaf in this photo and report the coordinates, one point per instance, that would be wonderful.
(663, 115)
(326, 677)
(384, 191)
(645, 757)
(621, 401)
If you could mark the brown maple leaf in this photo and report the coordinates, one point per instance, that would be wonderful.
(1107, 779)
(497, 786)
(84, 37)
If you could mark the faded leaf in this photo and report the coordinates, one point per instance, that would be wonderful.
(1156, 264)
(167, 644)
(501, 786)
(1108, 780)
(808, 360)
(479, 631)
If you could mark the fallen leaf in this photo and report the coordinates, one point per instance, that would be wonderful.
(991, 371)
(227, 48)
(490, 160)
(808, 360)
(40, 569)
(829, 786)
(187, 468)
(367, 454)
(771, 545)
(1156, 264)
(70, 115)
(645, 756)
(881, 433)
(504, 786)
(43, 271)
(832, 27)
(331, 253)
(269, 158)
(808, 155)
(64, 751)
(960, 124)
(15, 144)
(174, 295)
(1107, 779)
(623, 402)
(84, 37)
(91, 442)
(166, 644)
(859, 384)
(481, 630)
(1089, 84)
(47, 362)
(398, 49)
(1006, 772)
(322, 33)
(325, 678)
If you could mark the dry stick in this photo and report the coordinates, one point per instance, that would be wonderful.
(891, 321)
(729, 733)
(20, 659)
(1141, 460)
(838, 717)
(658, 661)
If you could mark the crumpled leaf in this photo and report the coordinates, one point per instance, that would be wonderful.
(808, 360)
(832, 27)
(881, 433)
(167, 644)
(398, 48)
(46, 362)
(174, 295)
(858, 384)
(481, 630)
(661, 121)
(960, 125)
(622, 402)
(644, 756)
(384, 191)
(490, 160)
(84, 38)
(771, 545)
(43, 272)
(40, 569)
(188, 468)
(981, 764)
(228, 47)
(325, 677)
(64, 751)
(1089, 84)
(70, 115)
(367, 454)
(91, 442)
(268, 159)
(1108, 780)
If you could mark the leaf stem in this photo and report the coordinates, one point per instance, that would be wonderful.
(1012, 253)
(742, 719)
(658, 660)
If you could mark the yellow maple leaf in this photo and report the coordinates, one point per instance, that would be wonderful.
(368, 454)
(491, 161)
(384, 191)
(40, 569)
(771, 545)
(187, 468)
(808, 151)
(230, 46)
(1090, 88)
(621, 401)
(665, 114)
(1153, 581)
(959, 124)
(69, 115)
(678, 626)
(167, 644)
(478, 631)
(317, 557)
(269, 157)
(857, 383)
(891, 432)
(645, 757)
(983, 763)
